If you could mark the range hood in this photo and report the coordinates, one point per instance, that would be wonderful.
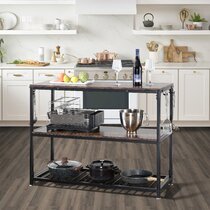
(106, 7)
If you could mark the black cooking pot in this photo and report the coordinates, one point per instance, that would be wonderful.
(102, 170)
(64, 170)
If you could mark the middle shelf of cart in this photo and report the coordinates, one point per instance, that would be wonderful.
(113, 133)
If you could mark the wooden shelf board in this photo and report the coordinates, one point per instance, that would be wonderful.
(38, 32)
(171, 32)
(38, 2)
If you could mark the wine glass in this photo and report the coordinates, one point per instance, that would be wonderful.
(149, 67)
(117, 67)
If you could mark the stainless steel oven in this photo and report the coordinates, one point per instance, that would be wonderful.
(110, 102)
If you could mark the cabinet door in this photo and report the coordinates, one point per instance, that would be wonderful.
(162, 76)
(194, 95)
(16, 100)
(43, 97)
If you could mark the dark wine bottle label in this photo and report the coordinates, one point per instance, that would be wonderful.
(137, 78)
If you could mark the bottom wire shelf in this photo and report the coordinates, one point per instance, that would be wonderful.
(84, 182)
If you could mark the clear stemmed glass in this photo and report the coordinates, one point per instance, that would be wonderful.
(117, 67)
(149, 68)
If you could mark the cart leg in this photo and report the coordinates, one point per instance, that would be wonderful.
(158, 145)
(51, 149)
(52, 139)
(171, 138)
(31, 156)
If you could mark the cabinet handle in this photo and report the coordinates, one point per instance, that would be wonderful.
(163, 72)
(17, 75)
(49, 75)
(194, 72)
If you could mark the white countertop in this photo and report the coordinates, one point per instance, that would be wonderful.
(51, 66)
(189, 65)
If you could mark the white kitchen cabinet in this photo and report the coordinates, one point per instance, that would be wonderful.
(43, 97)
(162, 76)
(194, 95)
(16, 94)
(142, 98)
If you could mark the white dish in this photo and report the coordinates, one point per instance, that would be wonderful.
(73, 84)
(9, 20)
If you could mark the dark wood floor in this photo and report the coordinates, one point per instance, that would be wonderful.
(191, 189)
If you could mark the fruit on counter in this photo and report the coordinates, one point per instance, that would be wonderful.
(74, 79)
(66, 78)
(71, 75)
(60, 77)
(83, 76)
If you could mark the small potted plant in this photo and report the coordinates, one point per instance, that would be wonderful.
(197, 20)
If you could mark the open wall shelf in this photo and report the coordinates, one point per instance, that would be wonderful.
(38, 32)
(171, 32)
(39, 2)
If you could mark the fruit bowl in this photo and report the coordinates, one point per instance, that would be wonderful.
(71, 78)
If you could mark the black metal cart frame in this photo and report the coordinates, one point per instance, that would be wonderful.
(82, 179)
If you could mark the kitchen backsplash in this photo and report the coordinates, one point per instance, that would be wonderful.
(96, 33)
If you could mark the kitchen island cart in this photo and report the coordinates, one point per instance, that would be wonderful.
(111, 133)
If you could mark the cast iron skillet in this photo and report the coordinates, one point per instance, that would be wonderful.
(136, 176)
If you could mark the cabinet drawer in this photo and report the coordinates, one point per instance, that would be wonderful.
(44, 75)
(17, 75)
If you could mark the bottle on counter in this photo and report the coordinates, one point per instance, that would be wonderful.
(137, 71)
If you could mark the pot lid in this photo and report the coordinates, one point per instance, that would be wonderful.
(70, 164)
(102, 164)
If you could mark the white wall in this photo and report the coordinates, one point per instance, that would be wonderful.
(97, 33)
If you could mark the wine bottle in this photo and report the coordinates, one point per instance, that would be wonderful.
(137, 71)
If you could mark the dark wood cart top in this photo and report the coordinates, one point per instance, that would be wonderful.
(104, 86)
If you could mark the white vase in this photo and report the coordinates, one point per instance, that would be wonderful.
(154, 56)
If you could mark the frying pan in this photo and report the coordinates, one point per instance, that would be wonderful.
(136, 176)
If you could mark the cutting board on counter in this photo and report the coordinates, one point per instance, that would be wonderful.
(41, 64)
(177, 54)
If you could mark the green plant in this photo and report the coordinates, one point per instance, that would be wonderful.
(197, 18)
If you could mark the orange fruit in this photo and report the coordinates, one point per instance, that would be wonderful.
(60, 77)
